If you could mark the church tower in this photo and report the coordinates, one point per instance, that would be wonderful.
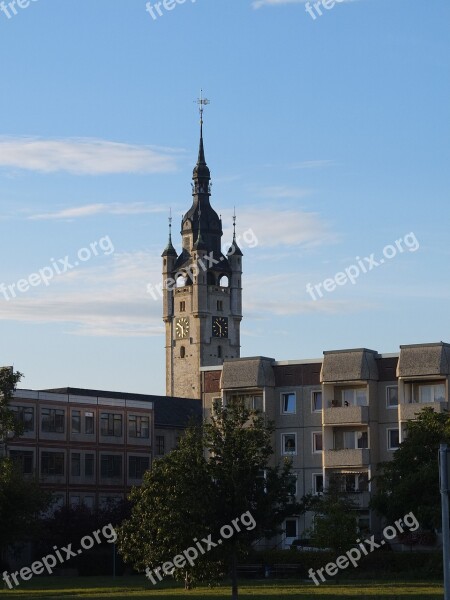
(202, 294)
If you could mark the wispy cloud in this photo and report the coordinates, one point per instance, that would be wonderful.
(89, 210)
(279, 227)
(83, 156)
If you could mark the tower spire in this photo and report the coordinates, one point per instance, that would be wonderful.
(170, 250)
(201, 169)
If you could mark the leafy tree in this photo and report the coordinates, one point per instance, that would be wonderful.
(8, 424)
(21, 501)
(174, 504)
(335, 520)
(219, 473)
(410, 482)
(239, 442)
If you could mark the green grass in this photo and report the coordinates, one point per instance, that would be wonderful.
(90, 588)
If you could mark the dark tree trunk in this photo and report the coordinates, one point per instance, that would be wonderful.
(234, 579)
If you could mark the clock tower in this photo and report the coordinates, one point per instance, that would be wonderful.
(202, 294)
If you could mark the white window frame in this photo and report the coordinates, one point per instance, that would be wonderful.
(389, 429)
(314, 483)
(282, 395)
(314, 435)
(313, 393)
(391, 406)
(283, 452)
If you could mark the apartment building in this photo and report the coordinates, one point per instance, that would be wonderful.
(337, 417)
(90, 447)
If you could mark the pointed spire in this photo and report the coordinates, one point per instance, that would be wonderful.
(170, 250)
(200, 243)
(201, 170)
(234, 248)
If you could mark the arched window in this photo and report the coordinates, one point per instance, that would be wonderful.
(182, 352)
(224, 282)
(211, 279)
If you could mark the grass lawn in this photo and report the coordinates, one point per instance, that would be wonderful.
(135, 587)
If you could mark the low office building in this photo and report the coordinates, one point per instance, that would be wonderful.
(91, 447)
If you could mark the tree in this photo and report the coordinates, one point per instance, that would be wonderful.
(218, 475)
(8, 424)
(174, 504)
(410, 482)
(239, 444)
(335, 521)
(21, 500)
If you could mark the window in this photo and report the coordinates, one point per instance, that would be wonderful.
(75, 464)
(288, 404)
(23, 459)
(52, 420)
(354, 397)
(89, 465)
(52, 463)
(111, 466)
(182, 352)
(293, 484)
(350, 440)
(362, 439)
(289, 443)
(219, 351)
(74, 501)
(137, 466)
(392, 396)
(317, 483)
(24, 415)
(89, 423)
(139, 426)
(432, 393)
(290, 527)
(220, 305)
(250, 402)
(393, 439)
(316, 401)
(160, 445)
(317, 441)
(183, 306)
(76, 421)
(111, 425)
(88, 502)
(350, 482)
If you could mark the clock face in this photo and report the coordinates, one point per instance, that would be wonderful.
(220, 327)
(182, 328)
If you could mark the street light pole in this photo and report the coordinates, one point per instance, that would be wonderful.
(444, 483)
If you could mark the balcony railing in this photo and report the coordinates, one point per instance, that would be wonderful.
(358, 457)
(409, 412)
(346, 415)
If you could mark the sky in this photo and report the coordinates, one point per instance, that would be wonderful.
(328, 133)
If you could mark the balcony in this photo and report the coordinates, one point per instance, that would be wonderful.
(361, 499)
(346, 415)
(358, 457)
(408, 412)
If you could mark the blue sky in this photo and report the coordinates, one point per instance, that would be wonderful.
(330, 136)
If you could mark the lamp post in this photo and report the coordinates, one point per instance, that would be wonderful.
(444, 480)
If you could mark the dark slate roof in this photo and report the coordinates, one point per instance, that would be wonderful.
(169, 411)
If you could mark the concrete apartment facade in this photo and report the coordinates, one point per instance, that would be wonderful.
(337, 417)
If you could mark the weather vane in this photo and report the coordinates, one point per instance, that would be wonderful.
(202, 102)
